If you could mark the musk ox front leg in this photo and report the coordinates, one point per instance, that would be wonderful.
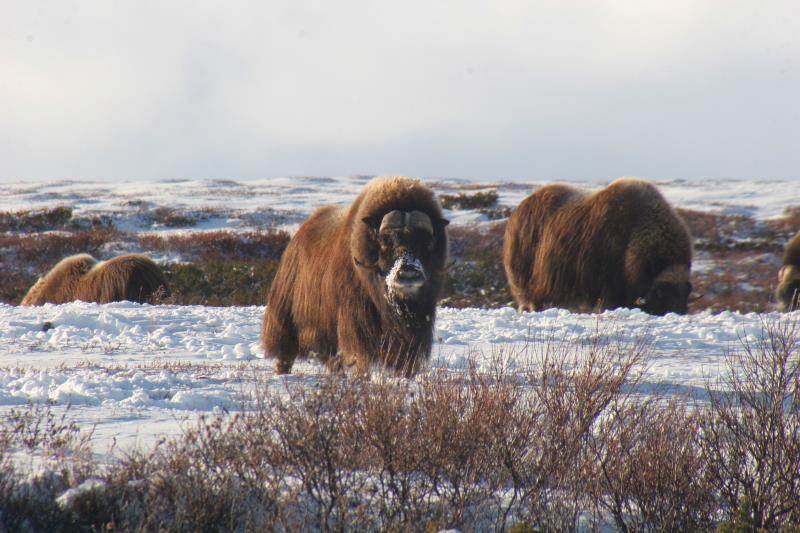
(358, 333)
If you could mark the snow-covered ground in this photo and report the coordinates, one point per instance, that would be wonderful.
(135, 372)
(138, 372)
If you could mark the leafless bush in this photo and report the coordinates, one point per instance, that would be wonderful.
(560, 441)
(41, 455)
(648, 467)
(751, 431)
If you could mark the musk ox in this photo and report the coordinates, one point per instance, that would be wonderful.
(131, 277)
(788, 291)
(359, 285)
(621, 246)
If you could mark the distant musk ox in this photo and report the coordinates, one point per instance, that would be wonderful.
(132, 277)
(359, 285)
(788, 291)
(621, 246)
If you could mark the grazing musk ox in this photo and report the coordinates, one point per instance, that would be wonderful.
(788, 291)
(359, 285)
(621, 246)
(132, 277)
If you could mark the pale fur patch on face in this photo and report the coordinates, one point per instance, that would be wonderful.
(396, 287)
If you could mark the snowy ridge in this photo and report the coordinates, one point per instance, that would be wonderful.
(286, 202)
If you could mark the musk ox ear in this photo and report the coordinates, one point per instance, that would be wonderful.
(366, 266)
(372, 222)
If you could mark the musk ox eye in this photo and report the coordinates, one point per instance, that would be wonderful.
(385, 240)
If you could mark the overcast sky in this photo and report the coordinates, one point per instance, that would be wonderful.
(99, 89)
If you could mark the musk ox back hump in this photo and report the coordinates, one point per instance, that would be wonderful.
(621, 246)
(60, 284)
(132, 277)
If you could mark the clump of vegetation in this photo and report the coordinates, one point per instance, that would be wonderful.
(714, 231)
(485, 202)
(220, 245)
(219, 282)
(463, 200)
(477, 277)
(751, 431)
(35, 220)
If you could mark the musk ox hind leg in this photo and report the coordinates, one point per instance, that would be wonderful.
(279, 336)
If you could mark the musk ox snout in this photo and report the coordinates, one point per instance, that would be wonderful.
(406, 277)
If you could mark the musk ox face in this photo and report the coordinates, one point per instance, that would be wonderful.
(667, 297)
(788, 291)
(404, 243)
(669, 292)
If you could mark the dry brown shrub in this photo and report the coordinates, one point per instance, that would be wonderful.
(35, 220)
(476, 277)
(220, 245)
(751, 431)
(737, 281)
(787, 225)
(648, 465)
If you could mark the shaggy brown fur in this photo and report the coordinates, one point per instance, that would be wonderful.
(359, 285)
(621, 246)
(132, 277)
(788, 292)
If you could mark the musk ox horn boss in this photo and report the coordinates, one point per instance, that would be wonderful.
(621, 246)
(788, 292)
(132, 277)
(359, 285)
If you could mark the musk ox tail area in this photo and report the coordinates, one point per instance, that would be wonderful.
(60, 284)
(359, 285)
(524, 231)
(621, 246)
(132, 277)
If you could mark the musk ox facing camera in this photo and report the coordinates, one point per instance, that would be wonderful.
(359, 285)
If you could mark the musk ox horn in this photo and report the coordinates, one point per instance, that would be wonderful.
(788, 273)
(420, 220)
(393, 219)
(413, 220)
(673, 274)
